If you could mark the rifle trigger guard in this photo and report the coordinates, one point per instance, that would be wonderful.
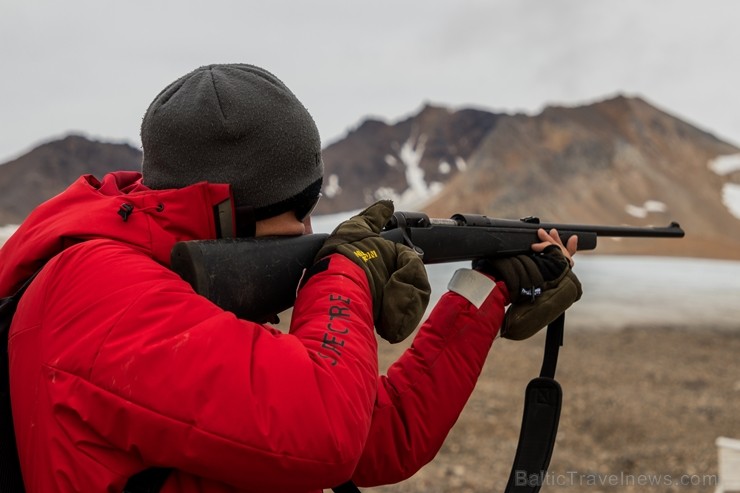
(407, 241)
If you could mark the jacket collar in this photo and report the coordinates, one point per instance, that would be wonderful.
(118, 207)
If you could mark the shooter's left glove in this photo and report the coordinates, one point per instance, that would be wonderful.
(541, 286)
(396, 275)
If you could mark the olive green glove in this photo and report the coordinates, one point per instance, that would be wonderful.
(541, 286)
(397, 277)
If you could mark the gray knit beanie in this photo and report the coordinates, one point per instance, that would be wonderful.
(235, 124)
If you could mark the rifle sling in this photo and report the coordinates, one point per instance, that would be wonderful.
(542, 402)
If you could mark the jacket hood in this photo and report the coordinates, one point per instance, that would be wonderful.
(119, 208)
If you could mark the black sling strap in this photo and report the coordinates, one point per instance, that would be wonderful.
(542, 402)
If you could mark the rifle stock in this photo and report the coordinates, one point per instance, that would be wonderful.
(256, 278)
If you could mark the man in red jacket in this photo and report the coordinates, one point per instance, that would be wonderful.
(118, 366)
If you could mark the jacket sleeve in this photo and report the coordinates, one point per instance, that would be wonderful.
(178, 382)
(426, 389)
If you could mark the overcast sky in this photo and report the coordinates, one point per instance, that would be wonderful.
(93, 66)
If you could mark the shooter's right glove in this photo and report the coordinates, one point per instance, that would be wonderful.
(397, 277)
(541, 286)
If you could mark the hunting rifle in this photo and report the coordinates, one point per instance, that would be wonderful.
(256, 278)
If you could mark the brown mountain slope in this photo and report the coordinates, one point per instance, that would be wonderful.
(610, 162)
(50, 168)
(372, 161)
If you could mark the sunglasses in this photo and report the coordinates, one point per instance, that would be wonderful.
(304, 210)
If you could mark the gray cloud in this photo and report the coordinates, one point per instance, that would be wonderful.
(91, 66)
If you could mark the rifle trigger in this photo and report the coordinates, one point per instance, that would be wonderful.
(407, 241)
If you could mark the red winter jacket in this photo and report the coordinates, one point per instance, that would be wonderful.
(117, 365)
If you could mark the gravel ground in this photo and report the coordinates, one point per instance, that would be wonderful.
(640, 404)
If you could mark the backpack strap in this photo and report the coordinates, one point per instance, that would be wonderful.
(11, 479)
(147, 481)
(348, 487)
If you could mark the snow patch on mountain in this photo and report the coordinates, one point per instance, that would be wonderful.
(643, 210)
(411, 154)
(731, 198)
(332, 187)
(419, 191)
(724, 165)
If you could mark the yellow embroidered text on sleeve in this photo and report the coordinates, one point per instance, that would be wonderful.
(366, 256)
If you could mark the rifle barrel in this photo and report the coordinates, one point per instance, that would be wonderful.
(673, 230)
